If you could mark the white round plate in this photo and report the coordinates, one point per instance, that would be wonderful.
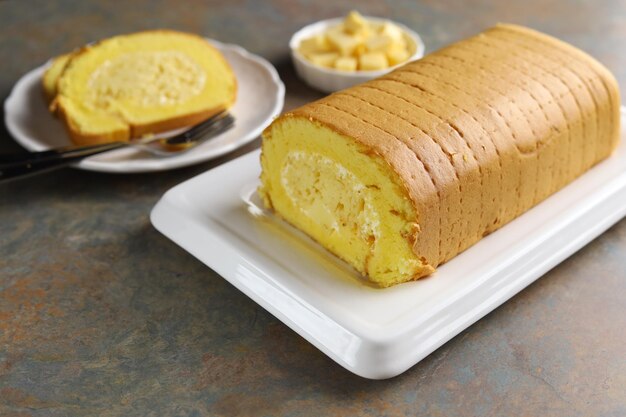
(260, 97)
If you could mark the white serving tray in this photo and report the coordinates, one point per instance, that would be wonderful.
(378, 333)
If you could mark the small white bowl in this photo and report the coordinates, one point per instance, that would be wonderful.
(329, 80)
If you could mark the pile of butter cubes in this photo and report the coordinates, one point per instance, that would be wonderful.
(357, 45)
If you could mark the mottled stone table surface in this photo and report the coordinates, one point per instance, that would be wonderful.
(100, 315)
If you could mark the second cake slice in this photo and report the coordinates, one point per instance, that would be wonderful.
(147, 82)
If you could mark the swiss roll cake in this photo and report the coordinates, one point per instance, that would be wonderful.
(400, 174)
(138, 84)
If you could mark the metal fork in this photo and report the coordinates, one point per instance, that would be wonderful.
(25, 164)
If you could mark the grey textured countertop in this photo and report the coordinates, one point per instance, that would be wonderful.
(101, 315)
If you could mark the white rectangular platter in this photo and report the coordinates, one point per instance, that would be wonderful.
(372, 332)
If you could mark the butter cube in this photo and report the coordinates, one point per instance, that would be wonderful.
(325, 59)
(372, 61)
(343, 43)
(315, 44)
(359, 50)
(354, 23)
(346, 63)
(397, 56)
(392, 31)
(378, 43)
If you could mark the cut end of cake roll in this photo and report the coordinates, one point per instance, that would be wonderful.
(343, 196)
(132, 85)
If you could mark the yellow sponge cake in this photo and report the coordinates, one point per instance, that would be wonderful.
(400, 174)
(52, 75)
(147, 82)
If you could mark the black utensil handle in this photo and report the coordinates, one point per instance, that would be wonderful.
(22, 165)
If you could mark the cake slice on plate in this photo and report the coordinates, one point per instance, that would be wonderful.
(131, 85)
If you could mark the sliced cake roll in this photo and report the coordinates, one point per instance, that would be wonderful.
(402, 173)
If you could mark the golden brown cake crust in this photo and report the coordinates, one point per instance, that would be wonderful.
(118, 135)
